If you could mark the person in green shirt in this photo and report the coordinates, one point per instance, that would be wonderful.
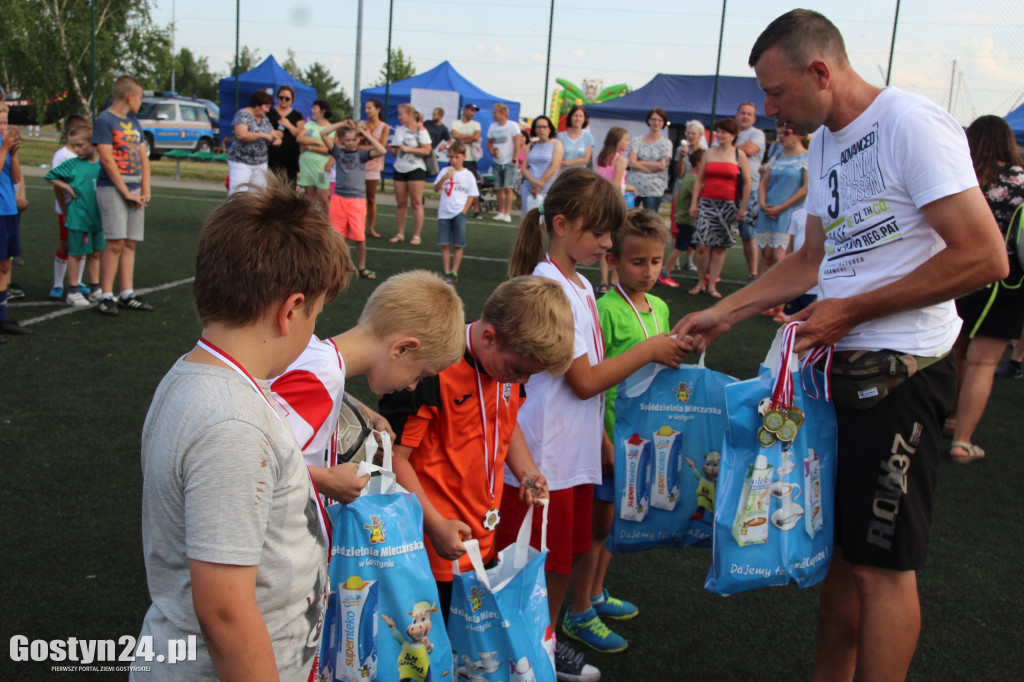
(684, 222)
(77, 176)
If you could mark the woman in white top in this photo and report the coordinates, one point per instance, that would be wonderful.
(694, 140)
(577, 143)
(410, 146)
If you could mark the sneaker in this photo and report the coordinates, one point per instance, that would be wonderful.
(17, 260)
(107, 306)
(453, 278)
(12, 328)
(569, 665)
(94, 296)
(751, 278)
(1009, 371)
(666, 281)
(14, 292)
(478, 215)
(56, 294)
(498, 216)
(134, 303)
(607, 606)
(84, 290)
(690, 265)
(587, 627)
(76, 299)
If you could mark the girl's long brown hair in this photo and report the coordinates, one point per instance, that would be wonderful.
(576, 193)
(611, 145)
(992, 143)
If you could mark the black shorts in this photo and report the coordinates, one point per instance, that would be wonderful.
(888, 465)
(1002, 318)
(684, 236)
(415, 175)
(471, 167)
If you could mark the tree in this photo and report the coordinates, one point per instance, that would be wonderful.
(401, 68)
(47, 47)
(291, 65)
(319, 77)
(192, 76)
(247, 59)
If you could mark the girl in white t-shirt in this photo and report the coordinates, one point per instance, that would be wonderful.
(562, 419)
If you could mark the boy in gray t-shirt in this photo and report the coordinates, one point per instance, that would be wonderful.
(348, 204)
(234, 538)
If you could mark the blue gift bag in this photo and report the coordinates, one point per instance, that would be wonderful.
(382, 620)
(499, 624)
(668, 433)
(776, 496)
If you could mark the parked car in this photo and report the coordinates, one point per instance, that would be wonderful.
(171, 122)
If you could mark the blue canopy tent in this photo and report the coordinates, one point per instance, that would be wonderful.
(1016, 120)
(686, 98)
(443, 77)
(268, 76)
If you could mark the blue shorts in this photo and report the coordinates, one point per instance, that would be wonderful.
(452, 231)
(10, 239)
(504, 175)
(605, 491)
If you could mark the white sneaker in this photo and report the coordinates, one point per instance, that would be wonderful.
(95, 296)
(498, 216)
(507, 218)
(77, 300)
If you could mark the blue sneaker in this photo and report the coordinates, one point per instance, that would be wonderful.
(1008, 371)
(587, 628)
(56, 294)
(609, 607)
(84, 290)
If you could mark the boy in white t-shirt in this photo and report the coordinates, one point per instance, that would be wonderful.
(456, 186)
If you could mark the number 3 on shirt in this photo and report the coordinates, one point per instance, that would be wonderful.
(833, 188)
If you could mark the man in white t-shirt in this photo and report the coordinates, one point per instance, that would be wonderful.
(897, 227)
(504, 141)
(468, 132)
(751, 142)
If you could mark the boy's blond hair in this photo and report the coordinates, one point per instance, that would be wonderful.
(261, 246)
(643, 223)
(419, 304)
(532, 318)
(81, 129)
(124, 86)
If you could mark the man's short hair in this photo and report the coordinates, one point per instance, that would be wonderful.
(439, 109)
(640, 222)
(260, 247)
(420, 304)
(801, 35)
(259, 98)
(124, 86)
(456, 147)
(747, 104)
(532, 318)
(502, 107)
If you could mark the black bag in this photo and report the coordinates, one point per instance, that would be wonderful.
(862, 378)
(739, 181)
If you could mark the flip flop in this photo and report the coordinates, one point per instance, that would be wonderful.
(367, 273)
(415, 241)
(397, 238)
(973, 452)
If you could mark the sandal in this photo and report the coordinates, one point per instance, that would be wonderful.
(367, 273)
(397, 238)
(972, 450)
(415, 241)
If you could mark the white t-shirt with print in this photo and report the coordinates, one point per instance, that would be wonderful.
(504, 138)
(562, 431)
(868, 183)
(455, 192)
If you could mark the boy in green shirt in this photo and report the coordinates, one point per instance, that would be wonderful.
(684, 222)
(77, 176)
(628, 315)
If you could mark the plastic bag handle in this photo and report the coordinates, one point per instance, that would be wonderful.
(386, 483)
(476, 559)
(522, 552)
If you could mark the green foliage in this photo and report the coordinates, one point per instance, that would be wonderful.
(291, 65)
(247, 59)
(192, 76)
(327, 87)
(47, 50)
(401, 68)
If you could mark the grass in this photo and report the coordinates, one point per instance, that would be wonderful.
(76, 394)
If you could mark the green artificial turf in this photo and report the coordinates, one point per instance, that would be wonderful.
(76, 393)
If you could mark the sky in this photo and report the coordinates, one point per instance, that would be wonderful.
(968, 58)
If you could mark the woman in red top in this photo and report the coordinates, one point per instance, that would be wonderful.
(714, 204)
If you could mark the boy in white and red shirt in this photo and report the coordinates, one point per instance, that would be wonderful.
(457, 186)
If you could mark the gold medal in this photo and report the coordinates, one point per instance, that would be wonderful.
(773, 420)
(787, 431)
(492, 519)
(796, 415)
(766, 438)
